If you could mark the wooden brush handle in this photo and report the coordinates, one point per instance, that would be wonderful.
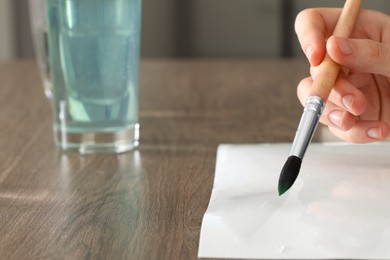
(328, 70)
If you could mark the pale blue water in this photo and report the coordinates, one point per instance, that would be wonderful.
(94, 56)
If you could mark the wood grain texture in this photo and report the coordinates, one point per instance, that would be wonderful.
(146, 204)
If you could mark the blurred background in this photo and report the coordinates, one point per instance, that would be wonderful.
(193, 28)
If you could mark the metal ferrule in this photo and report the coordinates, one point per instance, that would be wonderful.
(307, 126)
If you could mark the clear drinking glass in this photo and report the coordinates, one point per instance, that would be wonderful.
(88, 53)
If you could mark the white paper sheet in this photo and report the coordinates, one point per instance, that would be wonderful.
(339, 207)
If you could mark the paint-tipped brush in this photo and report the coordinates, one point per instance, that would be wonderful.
(327, 73)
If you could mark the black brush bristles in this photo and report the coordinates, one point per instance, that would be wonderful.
(289, 173)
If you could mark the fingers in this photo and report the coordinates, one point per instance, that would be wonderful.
(342, 111)
(344, 95)
(342, 107)
(337, 117)
(361, 55)
(364, 53)
(363, 132)
(312, 31)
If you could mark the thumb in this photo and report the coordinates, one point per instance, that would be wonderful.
(362, 55)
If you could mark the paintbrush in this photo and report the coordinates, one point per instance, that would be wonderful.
(326, 75)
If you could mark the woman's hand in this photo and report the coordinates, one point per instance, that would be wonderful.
(358, 109)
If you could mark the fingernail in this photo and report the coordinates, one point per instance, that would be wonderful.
(374, 133)
(344, 46)
(335, 117)
(309, 51)
(348, 101)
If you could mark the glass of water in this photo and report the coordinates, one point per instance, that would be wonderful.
(88, 53)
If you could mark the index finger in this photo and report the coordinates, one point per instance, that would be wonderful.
(313, 27)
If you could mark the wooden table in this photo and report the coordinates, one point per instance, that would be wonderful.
(145, 204)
